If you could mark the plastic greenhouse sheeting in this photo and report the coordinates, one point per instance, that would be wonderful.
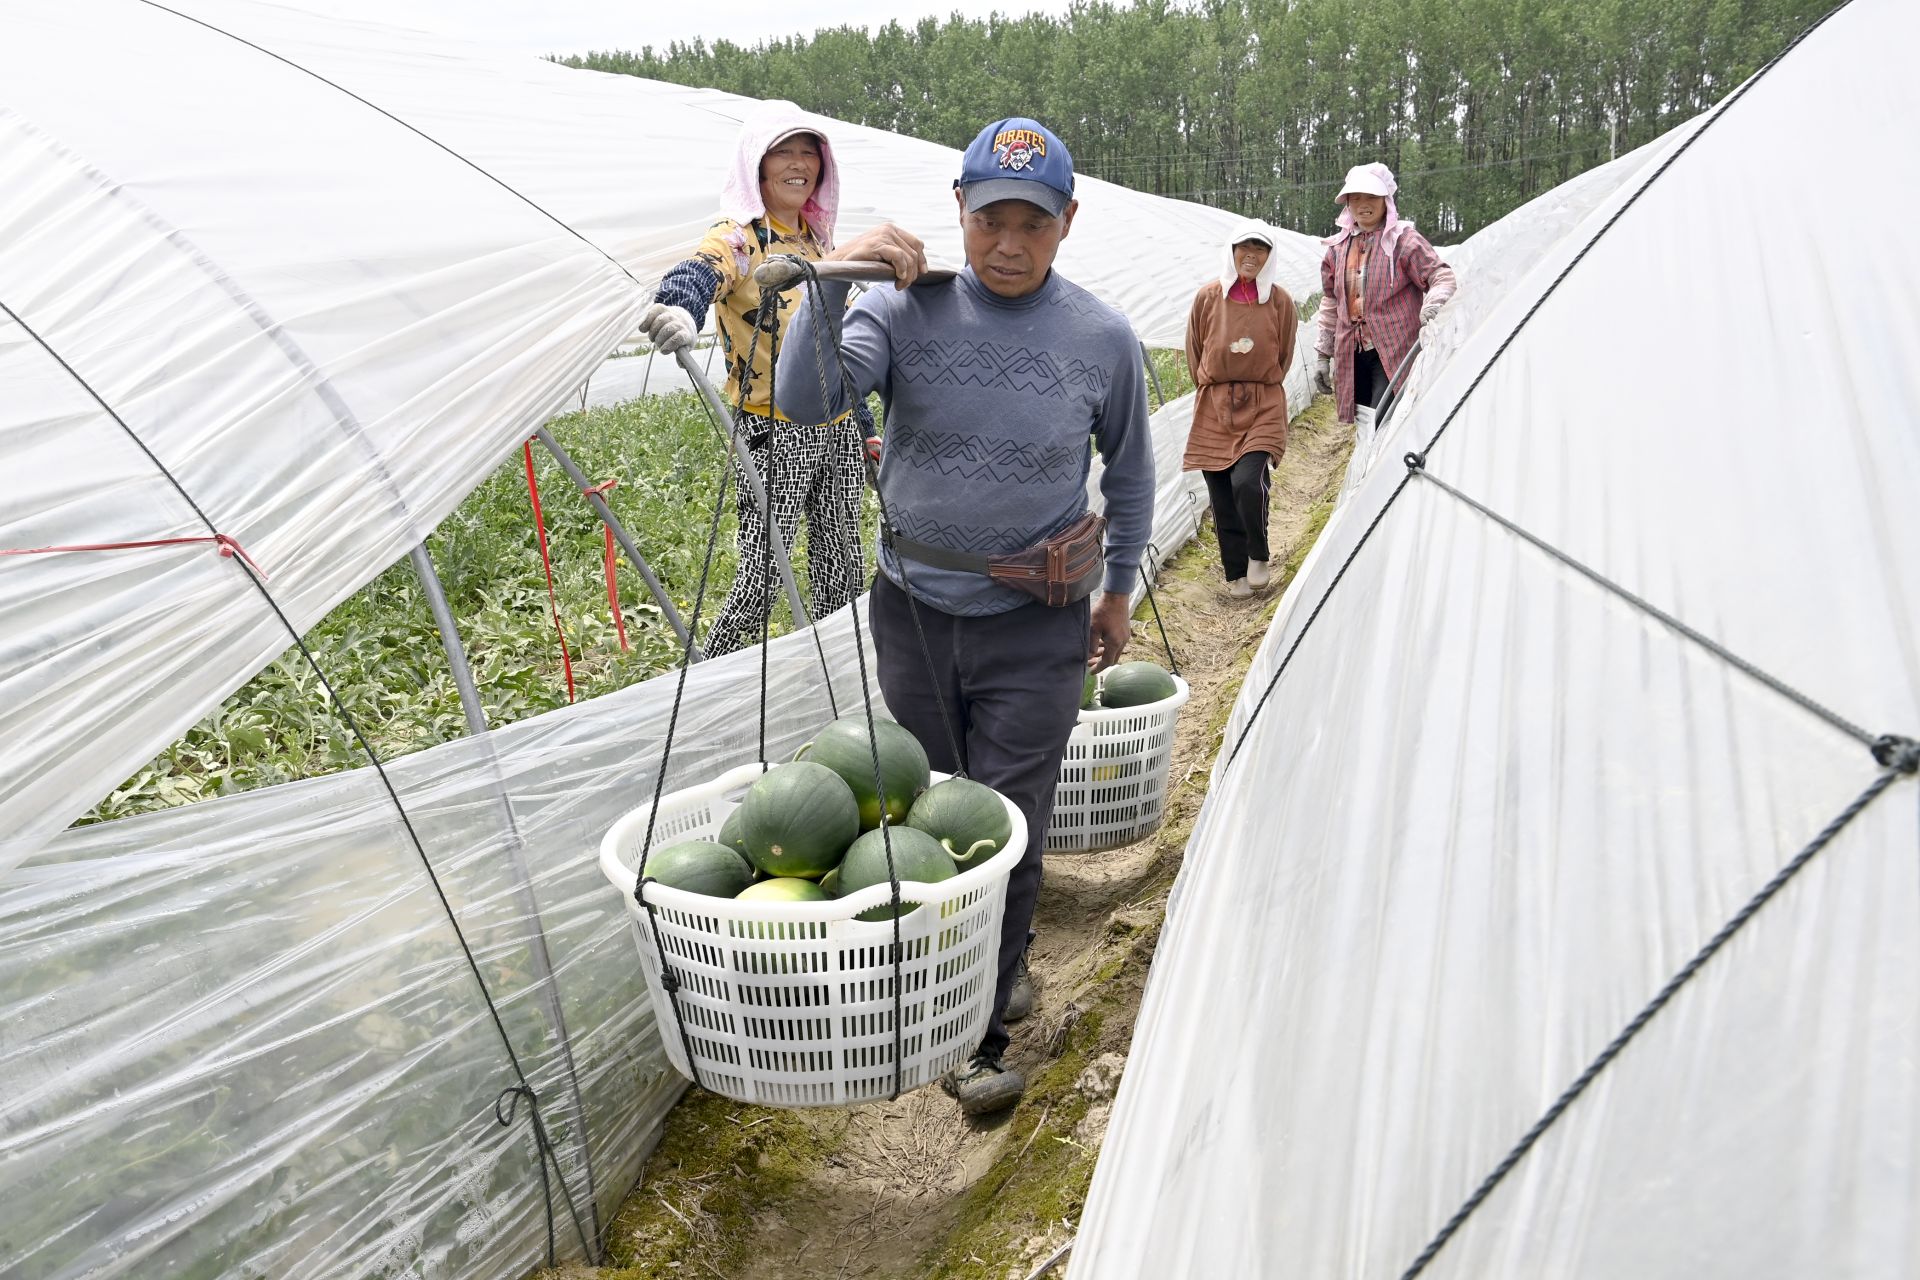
(1489, 808)
(240, 1039)
(328, 321)
(1493, 261)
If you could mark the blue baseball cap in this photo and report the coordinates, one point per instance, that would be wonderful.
(1017, 159)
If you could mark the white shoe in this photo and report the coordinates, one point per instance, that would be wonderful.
(1257, 575)
(1239, 589)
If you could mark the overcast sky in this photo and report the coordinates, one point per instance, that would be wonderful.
(577, 26)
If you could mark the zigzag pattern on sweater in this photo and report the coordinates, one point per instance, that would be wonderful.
(1001, 366)
(971, 455)
(981, 539)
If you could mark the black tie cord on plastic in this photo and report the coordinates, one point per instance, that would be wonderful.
(511, 1096)
(1895, 755)
(1902, 758)
(1417, 467)
(1686, 144)
(545, 1149)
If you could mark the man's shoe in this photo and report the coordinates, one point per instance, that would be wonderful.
(1239, 589)
(1257, 575)
(983, 1086)
(1020, 999)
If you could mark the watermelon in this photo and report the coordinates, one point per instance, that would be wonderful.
(843, 747)
(916, 856)
(1090, 692)
(730, 833)
(1135, 684)
(700, 866)
(830, 883)
(969, 820)
(797, 819)
(782, 889)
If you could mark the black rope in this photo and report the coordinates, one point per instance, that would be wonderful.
(1146, 580)
(511, 1096)
(411, 128)
(1906, 759)
(823, 336)
(766, 587)
(1493, 359)
(886, 841)
(766, 317)
(866, 685)
(1307, 626)
(1416, 465)
(353, 726)
(669, 980)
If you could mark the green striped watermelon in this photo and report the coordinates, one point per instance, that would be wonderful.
(843, 747)
(797, 819)
(968, 819)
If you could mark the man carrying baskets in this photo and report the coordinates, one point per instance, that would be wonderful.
(993, 384)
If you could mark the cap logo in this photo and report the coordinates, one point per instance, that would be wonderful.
(1018, 149)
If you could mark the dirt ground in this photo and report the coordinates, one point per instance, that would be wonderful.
(910, 1188)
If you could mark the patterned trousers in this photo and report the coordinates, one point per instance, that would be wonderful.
(809, 470)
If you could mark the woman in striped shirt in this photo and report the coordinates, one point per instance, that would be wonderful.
(1379, 283)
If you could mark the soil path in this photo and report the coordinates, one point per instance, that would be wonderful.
(910, 1188)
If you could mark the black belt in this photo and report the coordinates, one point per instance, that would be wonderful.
(936, 557)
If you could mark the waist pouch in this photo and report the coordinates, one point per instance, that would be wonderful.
(1064, 569)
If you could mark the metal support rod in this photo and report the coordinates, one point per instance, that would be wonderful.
(1153, 375)
(449, 639)
(1053, 1260)
(620, 534)
(783, 271)
(544, 980)
(757, 490)
(1388, 396)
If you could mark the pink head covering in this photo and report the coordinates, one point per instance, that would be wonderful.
(1371, 179)
(766, 124)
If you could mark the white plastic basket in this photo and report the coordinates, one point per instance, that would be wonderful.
(792, 1004)
(1113, 782)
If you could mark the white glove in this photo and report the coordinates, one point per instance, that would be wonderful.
(1429, 311)
(668, 328)
(1323, 374)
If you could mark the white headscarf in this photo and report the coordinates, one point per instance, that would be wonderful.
(1377, 180)
(765, 125)
(1251, 229)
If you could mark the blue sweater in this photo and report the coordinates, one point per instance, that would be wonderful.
(989, 405)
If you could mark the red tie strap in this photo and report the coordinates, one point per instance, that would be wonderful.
(613, 570)
(228, 548)
(553, 600)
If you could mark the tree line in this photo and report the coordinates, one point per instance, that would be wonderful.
(1260, 106)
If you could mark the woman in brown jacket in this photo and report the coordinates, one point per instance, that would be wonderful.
(1240, 337)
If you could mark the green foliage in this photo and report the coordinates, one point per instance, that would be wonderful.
(1174, 380)
(1262, 105)
(381, 651)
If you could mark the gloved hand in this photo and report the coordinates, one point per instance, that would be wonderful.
(1323, 374)
(1429, 311)
(668, 328)
(872, 446)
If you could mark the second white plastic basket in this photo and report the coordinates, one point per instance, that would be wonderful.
(1113, 782)
(791, 1004)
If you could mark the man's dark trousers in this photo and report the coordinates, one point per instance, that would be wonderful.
(1011, 685)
